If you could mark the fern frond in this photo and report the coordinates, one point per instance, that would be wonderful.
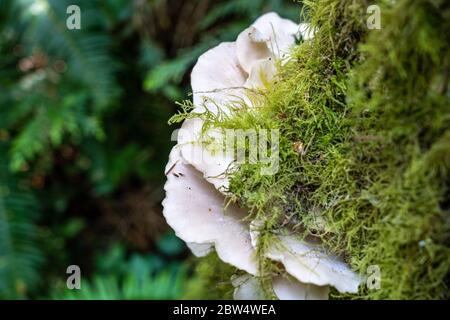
(20, 256)
(88, 52)
(165, 284)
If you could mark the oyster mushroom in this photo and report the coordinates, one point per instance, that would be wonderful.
(249, 288)
(195, 210)
(309, 263)
(220, 81)
(306, 260)
(197, 177)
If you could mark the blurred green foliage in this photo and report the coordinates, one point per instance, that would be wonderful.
(141, 276)
(84, 139)
(20, 256)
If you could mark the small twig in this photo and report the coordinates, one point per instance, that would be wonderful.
(171, 168)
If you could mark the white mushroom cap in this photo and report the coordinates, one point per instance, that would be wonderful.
(281, 32)
(252, 46)
(200, 249)
(308, 263)
(195, 151)
(217, 92)
(287, 289)
(217, 79)
(268, 37)
(195, 210)
(249, 288)
(217, 82)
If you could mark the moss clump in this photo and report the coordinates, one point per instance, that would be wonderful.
(372, 180)
(400, 96)
(364, 126)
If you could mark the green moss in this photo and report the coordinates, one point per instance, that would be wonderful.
(370, 109)
(211, 279)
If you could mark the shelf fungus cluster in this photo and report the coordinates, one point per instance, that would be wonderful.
(198, 178)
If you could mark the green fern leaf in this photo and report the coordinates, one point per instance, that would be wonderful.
(20, 256)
